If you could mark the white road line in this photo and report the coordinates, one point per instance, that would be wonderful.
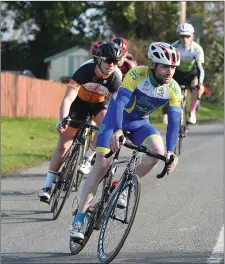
(218, 251)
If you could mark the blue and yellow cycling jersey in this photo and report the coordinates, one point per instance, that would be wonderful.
(140, 95)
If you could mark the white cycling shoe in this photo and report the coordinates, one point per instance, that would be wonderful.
(192, 118)
(86, 166)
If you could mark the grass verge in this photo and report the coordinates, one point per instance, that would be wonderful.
(28, 142)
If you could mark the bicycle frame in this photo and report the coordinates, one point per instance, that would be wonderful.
(69, 176)
(130, 169)
(183, 102)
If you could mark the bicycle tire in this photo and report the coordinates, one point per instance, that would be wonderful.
(179, 145)
(78, 181)
(76, 172)
(53, 197)
(94, 215)
(85, 146)
(66, 181)
(104, 258)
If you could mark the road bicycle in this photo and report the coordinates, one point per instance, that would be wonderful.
(184, 126)
(107, 209)
(69, 176)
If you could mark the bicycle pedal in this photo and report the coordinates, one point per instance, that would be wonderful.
(97, 226)
(77, 240)
(44, 200)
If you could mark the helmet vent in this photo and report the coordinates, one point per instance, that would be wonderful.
(167, 55)
(173, 57)
(156, 54)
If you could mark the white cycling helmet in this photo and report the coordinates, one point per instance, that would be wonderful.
(163, 53)
(185, 29)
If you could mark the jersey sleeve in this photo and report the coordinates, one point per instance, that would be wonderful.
(131, 79)
(200, 53)
(80, 75)
(175, 44)
(173, 116)
(115, 83)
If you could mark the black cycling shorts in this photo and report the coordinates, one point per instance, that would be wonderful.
(185, 78)
(80, 109)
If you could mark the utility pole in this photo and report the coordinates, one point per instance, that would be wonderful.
(182, 12)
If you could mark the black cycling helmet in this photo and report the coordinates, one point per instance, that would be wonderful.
(109, 50)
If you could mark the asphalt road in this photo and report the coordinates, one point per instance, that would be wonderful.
(179, 219)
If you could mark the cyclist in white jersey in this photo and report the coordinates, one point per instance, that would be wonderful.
(190, 72)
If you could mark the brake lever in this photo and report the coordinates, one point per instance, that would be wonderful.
(164, 171)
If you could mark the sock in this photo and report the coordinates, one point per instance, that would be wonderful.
(90, 153)
(79, 217)
(194, 106)
(49, 179)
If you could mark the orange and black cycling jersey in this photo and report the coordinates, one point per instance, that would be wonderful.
(92, 87)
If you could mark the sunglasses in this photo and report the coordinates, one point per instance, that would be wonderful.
(185, 36)
(109, 61)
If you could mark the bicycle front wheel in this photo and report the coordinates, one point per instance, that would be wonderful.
(118, 221)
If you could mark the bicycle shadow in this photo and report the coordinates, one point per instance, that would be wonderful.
(160, 257)
(23, 216)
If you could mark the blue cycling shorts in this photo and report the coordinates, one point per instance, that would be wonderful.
(140, 130)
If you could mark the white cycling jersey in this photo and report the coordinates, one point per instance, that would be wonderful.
(190, 55)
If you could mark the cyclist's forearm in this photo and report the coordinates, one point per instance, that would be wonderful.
(119, 104)
(65, 108)
(173, 127)
(201, 72)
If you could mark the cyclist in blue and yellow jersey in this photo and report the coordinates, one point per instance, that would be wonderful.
(190, 71)
(144, 89)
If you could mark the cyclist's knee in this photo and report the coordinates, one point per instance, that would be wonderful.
(156, 145)
(100, 116)
(101, 165)
(101, 162)
(66, 139)
(63, 145)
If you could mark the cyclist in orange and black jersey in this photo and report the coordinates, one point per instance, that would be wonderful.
(86, 94)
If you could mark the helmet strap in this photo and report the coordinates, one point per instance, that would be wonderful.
(100, 68)
(152, 65)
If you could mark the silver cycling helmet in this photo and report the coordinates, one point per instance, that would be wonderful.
(164, 53)
(185, 29)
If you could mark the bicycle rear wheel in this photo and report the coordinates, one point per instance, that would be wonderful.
(66, 180)
(116, 218)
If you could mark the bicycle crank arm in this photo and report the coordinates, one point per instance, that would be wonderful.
(120, 219)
